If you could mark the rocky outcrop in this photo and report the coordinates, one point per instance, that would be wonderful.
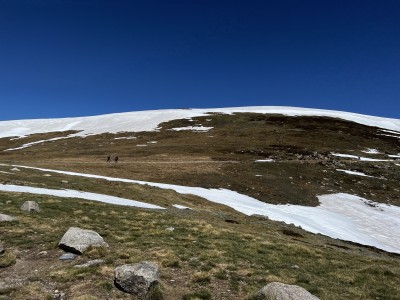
(138, 279)
(30, 206)
(78, 240)
(6, 218)
(281, 291)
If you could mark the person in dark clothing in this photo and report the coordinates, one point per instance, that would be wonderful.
(108, 158)
(116, 159)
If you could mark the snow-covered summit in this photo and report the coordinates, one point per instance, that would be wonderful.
(149, 120)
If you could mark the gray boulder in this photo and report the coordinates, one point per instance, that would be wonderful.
(281, 291)
(78, 240)
(137, 279)
(6, 218)
(30, 206)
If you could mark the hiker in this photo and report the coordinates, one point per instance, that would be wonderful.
(116, 159)
(108, 158)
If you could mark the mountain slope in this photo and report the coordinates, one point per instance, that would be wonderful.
(301, 166)
(149, 120)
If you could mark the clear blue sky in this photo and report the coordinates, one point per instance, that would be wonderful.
(87, 57)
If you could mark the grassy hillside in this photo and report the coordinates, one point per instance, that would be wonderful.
(225, 156)
(212, 252)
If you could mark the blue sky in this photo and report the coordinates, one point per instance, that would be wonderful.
(87, 57)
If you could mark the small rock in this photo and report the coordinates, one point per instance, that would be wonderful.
(30, 206)
(64, 181)
(137, 279)
(15, 169)
(91, 263)
(42, 253)
(68, 256)
(58, 295)
(295, 267)
(6, 218)
(170, 228)
(281, 291)
(77, 240)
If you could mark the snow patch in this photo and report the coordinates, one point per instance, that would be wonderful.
(371, 151)
(391, 131)
(125, 138)
(390, 135)
(193, 128)
(358, 157)
(354, 173)
(264, 160)
(76, 194)
(37, 142)
(180, 206)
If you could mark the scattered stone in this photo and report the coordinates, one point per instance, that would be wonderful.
(58, 295)
(281, 291)
(6, 218)
(15, 169)
(138, 279)
(64, 181)
(42, 253)
(78, 240)
(295, 267)
(30, 206)
(1, 248)
(68, 256)
(170, 228)
(91, 263)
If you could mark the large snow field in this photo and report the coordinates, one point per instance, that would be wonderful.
(342, 216)
(150, 120)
